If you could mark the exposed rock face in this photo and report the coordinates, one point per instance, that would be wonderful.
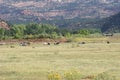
(4, 25)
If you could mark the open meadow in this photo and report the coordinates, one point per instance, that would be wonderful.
(35, 61)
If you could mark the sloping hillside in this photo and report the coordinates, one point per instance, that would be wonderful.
(112, 24)
(23, 11)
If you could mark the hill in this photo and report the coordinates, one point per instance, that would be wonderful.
(51, 11)
(112, 24)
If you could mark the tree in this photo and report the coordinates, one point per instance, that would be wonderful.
(17, 31)
(84, 32)
(2, 33)
(33, 28)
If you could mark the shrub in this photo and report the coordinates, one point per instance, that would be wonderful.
(104, 76)
(72, 75)
(54, 76)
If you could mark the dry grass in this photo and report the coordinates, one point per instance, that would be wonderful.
(34, 62)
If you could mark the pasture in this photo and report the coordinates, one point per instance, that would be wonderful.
(35, 61)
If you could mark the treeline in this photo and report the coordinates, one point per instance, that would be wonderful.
(35, 30)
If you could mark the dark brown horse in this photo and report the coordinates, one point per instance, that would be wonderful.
(108, 42)
(56, 43)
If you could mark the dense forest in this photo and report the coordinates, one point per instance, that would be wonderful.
(35, 30)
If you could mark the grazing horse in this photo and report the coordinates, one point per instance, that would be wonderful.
(46, 43)
(81, 43)
(56, 43)
(24, 43)
(108, 42)
(2, 43)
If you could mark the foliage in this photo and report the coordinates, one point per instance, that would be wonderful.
(72, 75)
(17, 31)
(84, 32)
(68, 75)
(104, 76)
(35, 30)
(54, 76)
(2, 33)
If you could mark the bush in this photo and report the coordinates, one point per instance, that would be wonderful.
(72, 75)
(84, 32)
(54, 76)
(104, 76)
(68, 75)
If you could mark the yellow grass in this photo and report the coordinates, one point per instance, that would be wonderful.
(35, 61)
(98, 38)
(93, 40)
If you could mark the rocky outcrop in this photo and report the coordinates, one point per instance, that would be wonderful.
(5, 25)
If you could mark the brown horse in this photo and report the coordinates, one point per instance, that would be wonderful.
(56, 43)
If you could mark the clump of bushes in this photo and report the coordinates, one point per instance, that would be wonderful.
(75, 75)
(72, 75)
(68, 75)
(104, 76)
(54, 76)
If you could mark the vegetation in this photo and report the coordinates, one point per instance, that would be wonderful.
(72, 75)
(105, 76)
(54, 76)
(68, 75)
(35, 61)
(2, 33)
(34, 30)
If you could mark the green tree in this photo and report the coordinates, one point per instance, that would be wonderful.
(84, 32)
(54, 35)
(47, 28)
(17, 31)
(2, 33)
(33, 28)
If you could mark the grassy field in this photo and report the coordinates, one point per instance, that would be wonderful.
(35, 61)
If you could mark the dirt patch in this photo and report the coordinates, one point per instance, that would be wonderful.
(33, 40)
